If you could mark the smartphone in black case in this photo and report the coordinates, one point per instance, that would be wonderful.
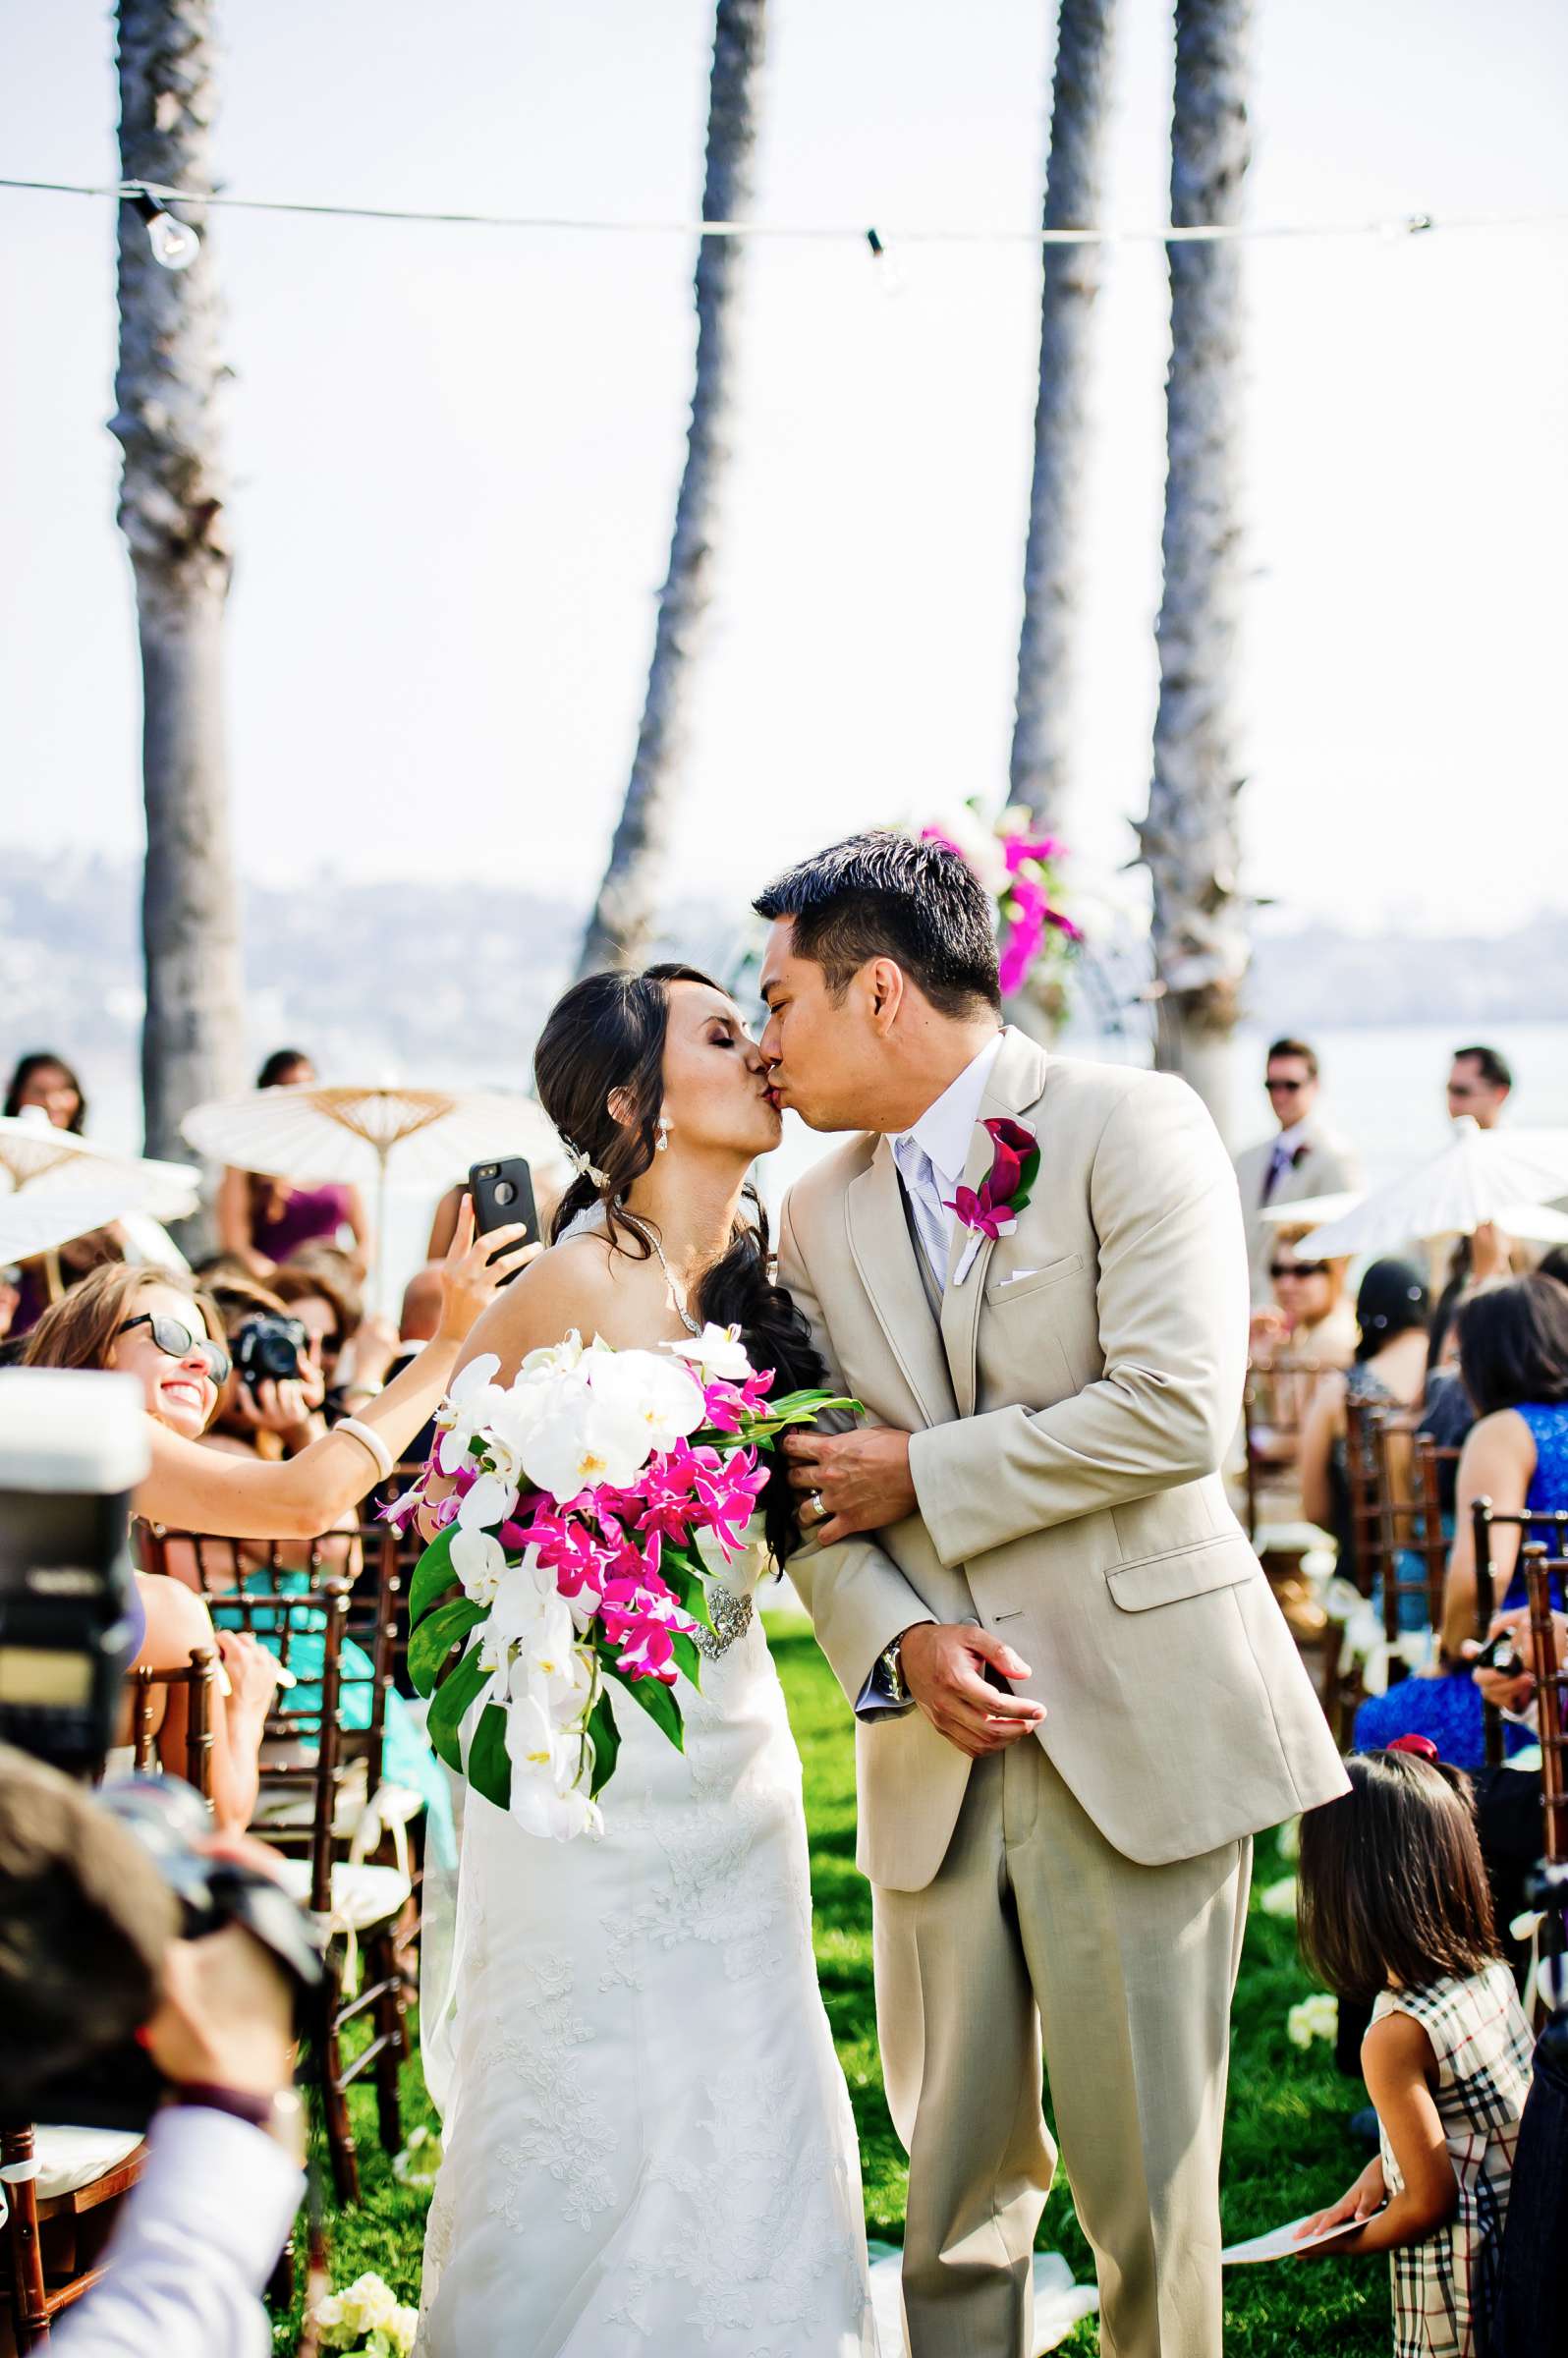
(503, 1192)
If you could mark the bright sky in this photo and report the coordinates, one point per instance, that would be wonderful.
(455, 451)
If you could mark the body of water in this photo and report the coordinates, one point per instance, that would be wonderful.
(1383, 1093)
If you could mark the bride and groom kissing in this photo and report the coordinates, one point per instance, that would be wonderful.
(1075, 1698)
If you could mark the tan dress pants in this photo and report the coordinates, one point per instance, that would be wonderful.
(1034, 1924)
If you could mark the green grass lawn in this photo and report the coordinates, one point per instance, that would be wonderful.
(1285, 2148)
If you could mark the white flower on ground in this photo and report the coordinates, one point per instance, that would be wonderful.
(1314, 2017)
(717, 1354)
(1279, 1899)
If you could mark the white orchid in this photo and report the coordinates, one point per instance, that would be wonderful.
(717, 1354)
(578, 1438)
(556, 1816)
(478, 1559)
(467, 1411)
(641, 1389)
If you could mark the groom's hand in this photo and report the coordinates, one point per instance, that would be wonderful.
(852, 1480)
(944, 1666)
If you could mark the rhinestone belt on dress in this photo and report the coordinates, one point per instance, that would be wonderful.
(732, 1618)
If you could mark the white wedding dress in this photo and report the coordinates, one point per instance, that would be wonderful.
(648, 2141)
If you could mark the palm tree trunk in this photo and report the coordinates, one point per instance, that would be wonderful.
(1070, 281)
(618, 931)
(172, 512)
(1191, 836)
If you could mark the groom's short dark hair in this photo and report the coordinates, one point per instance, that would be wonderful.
(890, 895)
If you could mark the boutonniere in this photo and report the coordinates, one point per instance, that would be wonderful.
(992, 1209)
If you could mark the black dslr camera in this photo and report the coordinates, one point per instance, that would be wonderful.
(73, 1447)
(269, 1349)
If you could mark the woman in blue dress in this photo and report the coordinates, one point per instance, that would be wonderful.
(1513, 1357)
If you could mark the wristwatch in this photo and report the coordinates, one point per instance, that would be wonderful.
(890, 1670)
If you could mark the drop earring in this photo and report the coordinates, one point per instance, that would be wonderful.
(662, 1137)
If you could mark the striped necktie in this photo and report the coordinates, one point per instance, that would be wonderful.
(925, 1196)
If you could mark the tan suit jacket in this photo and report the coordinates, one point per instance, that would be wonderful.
(1322, 1167)
(1069, 1416)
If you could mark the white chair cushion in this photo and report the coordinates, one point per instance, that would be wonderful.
(70, 2158)
(362, 1895)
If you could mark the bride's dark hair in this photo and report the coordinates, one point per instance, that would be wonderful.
(605, 1037)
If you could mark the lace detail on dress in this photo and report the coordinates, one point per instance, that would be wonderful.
(560, 2132)
(761, 2211)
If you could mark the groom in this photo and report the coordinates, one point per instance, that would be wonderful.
(1077, 1701)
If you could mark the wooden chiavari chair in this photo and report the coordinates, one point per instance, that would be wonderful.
(316, 1775)
(1274, 1405)
(1544, 1571)
(1403, 1516)
(1484, 1520)
(52, 2243)
(199, 1679)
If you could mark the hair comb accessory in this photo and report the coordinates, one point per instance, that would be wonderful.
(1421, 1746)
(582, 1165)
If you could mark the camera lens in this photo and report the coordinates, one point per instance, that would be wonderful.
(506, 1193)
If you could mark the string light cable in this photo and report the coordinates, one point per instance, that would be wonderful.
(174, 241)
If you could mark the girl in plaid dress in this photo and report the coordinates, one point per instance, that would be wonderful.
(1395, 1910)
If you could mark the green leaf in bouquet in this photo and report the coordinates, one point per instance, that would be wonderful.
(489, 1763)
(432, 1575)
(605, 1738)
(655, 1698)
(457, 1691)
(687, 1657)
(437, 1634)
(685, 1577)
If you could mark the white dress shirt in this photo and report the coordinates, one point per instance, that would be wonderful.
(931, 1154)
(197, 2241)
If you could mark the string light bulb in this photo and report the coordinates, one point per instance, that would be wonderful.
(175, 243)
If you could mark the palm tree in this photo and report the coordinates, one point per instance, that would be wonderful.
(622, 914)
(1191, 839)
(174, 519)
(1070, 281)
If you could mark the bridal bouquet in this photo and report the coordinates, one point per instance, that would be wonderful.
(1022, 871)
(574, 1504)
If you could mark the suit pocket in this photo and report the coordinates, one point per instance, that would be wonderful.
(1022, 1289)
(1182, 1572)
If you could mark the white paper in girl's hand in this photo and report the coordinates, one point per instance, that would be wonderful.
(1281, 2243)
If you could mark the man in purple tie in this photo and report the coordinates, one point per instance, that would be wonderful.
(1301, 1159)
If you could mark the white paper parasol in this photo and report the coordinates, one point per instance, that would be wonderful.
(43, 1218)
(1506, 1176)
(409, 1138)
(33, 1153)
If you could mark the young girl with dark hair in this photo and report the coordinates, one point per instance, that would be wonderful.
(1395, 1910)
(650, 2141)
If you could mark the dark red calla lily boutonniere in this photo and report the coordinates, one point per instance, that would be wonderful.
(992, 1210)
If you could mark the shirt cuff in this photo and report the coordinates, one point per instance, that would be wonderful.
(232, 2187)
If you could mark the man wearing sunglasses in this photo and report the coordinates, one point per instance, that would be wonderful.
(1301, 1159)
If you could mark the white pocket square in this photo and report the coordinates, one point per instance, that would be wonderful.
(1013, 1277)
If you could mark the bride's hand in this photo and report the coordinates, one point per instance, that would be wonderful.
(469, 1282)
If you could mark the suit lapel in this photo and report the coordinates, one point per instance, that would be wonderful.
(884, 1256)
(1016, 1080)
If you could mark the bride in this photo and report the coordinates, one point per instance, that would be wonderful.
(648, 2141)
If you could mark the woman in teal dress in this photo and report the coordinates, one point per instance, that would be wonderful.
(1513, 1357)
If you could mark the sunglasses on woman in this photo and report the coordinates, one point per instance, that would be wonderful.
(178, 1341)
(1298, 1268)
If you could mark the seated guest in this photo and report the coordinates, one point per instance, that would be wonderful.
(1309, 1316)
(355, 1353)
(1396, 1914)
(160, 1330)
(1303, 1158)
(45, 1087)
(266, 1220)
(1389, 1370)
(1513, 1356)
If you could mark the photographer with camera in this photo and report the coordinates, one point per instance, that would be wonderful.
(138, 1320)
(124, 1920)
